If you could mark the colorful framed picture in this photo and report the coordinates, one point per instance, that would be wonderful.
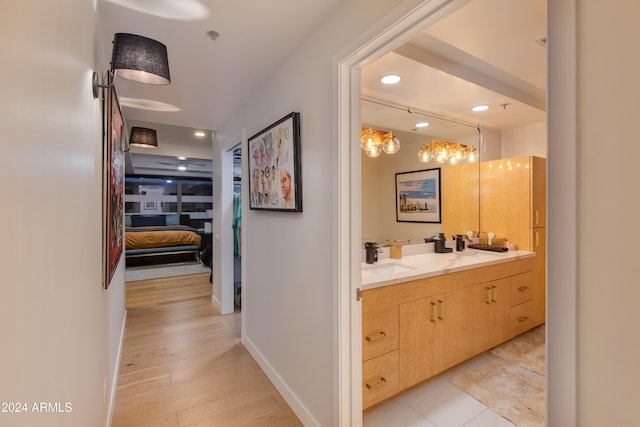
(418, 196)
(113, 180)
(150, 206)
(275, 180)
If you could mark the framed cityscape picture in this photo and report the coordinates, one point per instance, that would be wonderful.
(418, 196)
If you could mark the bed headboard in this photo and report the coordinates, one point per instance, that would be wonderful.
(157, 220)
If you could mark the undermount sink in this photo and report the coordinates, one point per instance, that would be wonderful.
(387, 268)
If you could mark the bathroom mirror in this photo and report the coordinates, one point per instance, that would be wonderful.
(459, 209)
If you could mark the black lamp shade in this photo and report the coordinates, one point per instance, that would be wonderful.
(143, 137)
(140, 59)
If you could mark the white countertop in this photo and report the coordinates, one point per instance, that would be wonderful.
(390, 271)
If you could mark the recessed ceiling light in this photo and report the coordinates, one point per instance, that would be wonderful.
(182, 168)
(182, 158)
(480, 108)
(199, 134)
(390, 79)
(421, 125)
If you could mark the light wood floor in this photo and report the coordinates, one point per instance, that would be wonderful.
(183, 364)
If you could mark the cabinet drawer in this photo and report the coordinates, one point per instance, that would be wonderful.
(522, 318)
(379, 332)
(521, 288)
(379, 379)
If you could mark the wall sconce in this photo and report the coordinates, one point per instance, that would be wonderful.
(143, 137)
(374, 142)
(136, 58)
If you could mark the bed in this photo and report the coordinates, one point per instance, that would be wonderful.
(158, 239)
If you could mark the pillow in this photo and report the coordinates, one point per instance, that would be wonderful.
(147, 220)
(127, 220)
(172, 219)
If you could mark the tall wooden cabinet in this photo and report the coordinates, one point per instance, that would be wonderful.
(513, 205)
(509, 198)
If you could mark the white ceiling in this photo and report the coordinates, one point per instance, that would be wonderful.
(487, 51)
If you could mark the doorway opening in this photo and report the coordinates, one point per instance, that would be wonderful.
(349, 170)
(237, 228)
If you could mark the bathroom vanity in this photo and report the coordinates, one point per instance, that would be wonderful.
(425, 313)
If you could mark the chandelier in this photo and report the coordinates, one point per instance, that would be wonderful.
(445, 151)
(374, 142)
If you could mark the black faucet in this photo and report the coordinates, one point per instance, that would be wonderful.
(440, 247)
(372, 252)
(431, 239)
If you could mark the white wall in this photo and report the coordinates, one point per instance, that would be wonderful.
(517, 142)
(525, 141)
(61, 329)
(381, 190)
(491, 148)
(608, 205)
(289, 284)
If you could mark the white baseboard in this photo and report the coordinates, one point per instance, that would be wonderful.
(112, 393)
(216, 302)
(289, 396)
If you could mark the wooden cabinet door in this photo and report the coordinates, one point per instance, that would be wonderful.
(460, 198)
(505, 200)
(538, 192)
(430, 341)
(539, 246)
(486, 311)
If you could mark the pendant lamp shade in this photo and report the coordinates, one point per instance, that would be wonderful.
(143, 137)
(140, 59)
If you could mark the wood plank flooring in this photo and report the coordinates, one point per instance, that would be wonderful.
(182, 363)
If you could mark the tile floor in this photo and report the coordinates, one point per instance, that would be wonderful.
(437, 403)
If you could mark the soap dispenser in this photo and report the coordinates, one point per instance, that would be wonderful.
(395, 251)
(459, 242)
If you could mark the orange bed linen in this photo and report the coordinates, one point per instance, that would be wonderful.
(157, 239)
